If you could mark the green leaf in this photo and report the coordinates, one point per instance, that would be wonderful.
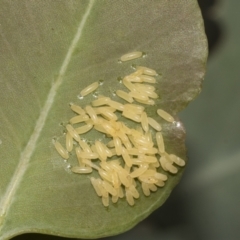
(49, 51)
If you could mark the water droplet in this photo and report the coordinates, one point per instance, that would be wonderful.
(133, 66)
(120, 79)
(95, 94)
(177, 124)
(101, 81)
(67, 168)
(114, 93)
(144, 54)
(80, 96)
(90, 142)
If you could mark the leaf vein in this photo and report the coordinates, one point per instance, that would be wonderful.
(30, 147)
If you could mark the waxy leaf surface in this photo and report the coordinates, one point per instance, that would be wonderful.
(49, 51)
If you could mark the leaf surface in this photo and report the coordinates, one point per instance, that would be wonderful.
(49, 51)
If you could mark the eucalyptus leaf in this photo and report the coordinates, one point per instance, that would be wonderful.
(49, 51)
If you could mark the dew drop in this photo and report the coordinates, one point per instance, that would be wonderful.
(62, 124)
(95, 94)
(54, 139)
(90, 142)
(80, 96)
(144, 54)
(101, 81)
(159, 74)
(67, 167)
(120, 79)
(134, 66)
(177, 124)
(114, 93)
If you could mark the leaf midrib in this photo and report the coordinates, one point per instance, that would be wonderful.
(30, 147)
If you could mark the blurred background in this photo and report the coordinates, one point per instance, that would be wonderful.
(206, 203)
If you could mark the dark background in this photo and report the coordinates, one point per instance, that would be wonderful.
(206, 204)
